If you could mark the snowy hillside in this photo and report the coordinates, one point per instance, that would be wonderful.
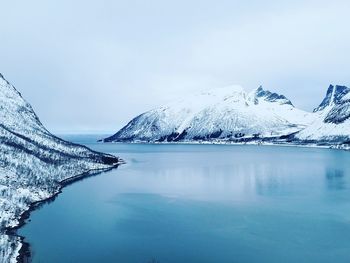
(332, 123)
(33, 164)
(226, 114)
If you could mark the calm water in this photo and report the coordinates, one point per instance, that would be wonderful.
(201, 203)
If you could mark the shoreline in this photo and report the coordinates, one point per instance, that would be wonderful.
(252, 143)
(24, 253)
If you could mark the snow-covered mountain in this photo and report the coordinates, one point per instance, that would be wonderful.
(34, 164)
(227, 114)
(332, 123)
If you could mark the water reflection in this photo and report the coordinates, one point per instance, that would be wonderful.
(335, 179)
(202, 204)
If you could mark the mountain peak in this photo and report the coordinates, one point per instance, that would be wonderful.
(260, 88)
(333, 96)
(271, 96)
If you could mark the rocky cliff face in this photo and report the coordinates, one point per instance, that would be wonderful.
(332, 122)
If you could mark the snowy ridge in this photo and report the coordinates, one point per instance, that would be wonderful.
(33, 162)
(226, 114)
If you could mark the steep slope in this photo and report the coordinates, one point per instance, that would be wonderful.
(221, 114)
(34, 164)
(332, 124)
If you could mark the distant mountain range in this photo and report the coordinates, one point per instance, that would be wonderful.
(230, 115)
(34, 164)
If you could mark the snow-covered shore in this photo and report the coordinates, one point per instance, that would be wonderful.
(34, 165)
(256, 143)
(17, 250)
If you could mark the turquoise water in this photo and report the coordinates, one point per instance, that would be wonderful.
(201, 203)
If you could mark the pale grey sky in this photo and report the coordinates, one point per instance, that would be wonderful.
(93, 65)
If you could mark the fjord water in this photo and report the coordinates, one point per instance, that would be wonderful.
(201, 203)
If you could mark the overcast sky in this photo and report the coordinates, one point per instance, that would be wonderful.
(93, 65)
